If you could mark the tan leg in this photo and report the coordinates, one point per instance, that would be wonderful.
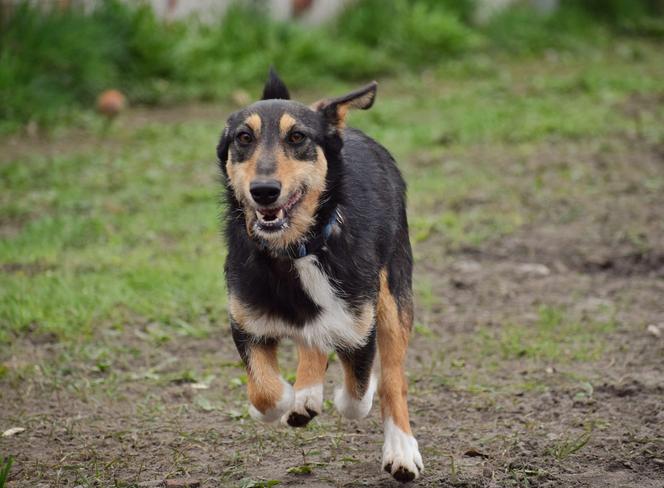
(401, 456)
(311, 368)
(269, 394)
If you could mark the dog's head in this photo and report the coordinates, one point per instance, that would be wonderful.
(278, 157)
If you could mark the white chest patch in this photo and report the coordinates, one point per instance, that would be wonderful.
(334, 326)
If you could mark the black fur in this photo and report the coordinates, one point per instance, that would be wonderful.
(362, 206)
(244, 341)
(275, 88)
(363, 182)
(361, 361)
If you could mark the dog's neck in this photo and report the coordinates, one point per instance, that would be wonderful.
(314, 242)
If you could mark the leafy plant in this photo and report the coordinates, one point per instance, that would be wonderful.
(5, 467)
(53, 62)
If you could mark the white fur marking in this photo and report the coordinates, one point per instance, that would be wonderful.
(335, 325)
(352, 408)
(400, 450)
(310, 398)
(283, 405)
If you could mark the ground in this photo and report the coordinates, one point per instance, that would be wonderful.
(536, 198)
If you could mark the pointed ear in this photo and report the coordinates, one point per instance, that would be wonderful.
(335, 109)
(222, 150)
(274, 87)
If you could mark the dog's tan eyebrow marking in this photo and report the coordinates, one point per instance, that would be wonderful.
(286, 123)
(254, 122)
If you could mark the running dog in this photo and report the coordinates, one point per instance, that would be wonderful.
(318, 252)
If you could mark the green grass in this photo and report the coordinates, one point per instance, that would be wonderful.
(554, 337)
(5, 468)
(53, 64)
(103, 235)
(125, 228)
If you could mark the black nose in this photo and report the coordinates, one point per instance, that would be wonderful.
(265, 192)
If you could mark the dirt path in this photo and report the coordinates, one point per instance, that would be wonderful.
(537, 361)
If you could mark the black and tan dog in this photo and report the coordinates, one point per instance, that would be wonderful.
(318, 252)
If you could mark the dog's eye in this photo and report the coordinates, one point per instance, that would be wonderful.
(296, 137)
(244, 138)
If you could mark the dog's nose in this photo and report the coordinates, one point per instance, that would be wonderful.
(265, 192)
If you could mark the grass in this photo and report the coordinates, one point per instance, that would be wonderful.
(5, 468)
(54, 63)
(126, 228)
(555, 336)
(112, 273)
(571, 445)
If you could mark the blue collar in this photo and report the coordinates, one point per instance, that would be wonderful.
(303, 249)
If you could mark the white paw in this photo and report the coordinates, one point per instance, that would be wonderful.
(352, 408)
(308, 403)
(401, 457)
(283, 405)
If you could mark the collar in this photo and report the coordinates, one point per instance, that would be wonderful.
(314, 243)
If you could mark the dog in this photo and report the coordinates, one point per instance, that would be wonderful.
(318, 252)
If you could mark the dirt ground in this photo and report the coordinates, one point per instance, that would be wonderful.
(538, 361)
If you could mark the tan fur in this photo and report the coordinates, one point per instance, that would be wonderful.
(295, 174)
(239, 311)
(286, 123)
(240, 176)
(255, 123)
(392, 344)
(342, 111)
(311, 367)
(363, 101)
(264, 383)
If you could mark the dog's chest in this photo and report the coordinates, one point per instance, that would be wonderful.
(334, 326)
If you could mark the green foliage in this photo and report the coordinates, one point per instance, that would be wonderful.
(571, 445)
(416, 32)
(125, 230)
(54, 63)
(5, 467)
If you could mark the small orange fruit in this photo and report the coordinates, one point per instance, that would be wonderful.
(111, 103)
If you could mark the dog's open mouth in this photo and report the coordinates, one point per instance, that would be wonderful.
(274, 219)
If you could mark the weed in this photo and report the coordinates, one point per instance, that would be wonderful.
(247, 483)
(5, 467)
(303, 469)
(565, 448)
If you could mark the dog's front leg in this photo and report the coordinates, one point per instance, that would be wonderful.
(354, 399)
(311, 368)
(269, 394)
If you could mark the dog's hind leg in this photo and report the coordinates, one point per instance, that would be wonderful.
(353, 400)
(311, 368)
(401, 456)
(269, 394)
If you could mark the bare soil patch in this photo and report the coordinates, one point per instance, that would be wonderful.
(501, 394)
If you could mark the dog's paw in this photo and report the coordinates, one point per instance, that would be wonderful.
(283, 405)
(308, 403)
(351, 407)
(401, 456)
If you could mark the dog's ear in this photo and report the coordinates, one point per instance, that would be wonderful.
(274, 87)
(334, 110)
(222, 150)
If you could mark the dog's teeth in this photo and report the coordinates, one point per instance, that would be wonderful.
(258, 215)
(280, 214)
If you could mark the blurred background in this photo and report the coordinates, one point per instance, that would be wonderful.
(57, 56)
(531, 135)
